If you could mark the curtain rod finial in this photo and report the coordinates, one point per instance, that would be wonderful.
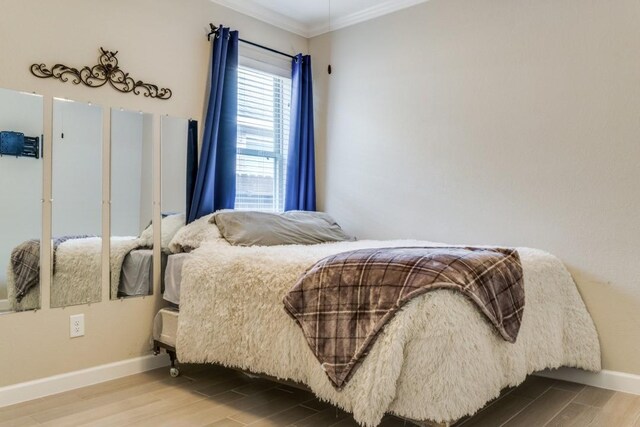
(213, 31)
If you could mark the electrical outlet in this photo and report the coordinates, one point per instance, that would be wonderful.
(76, 325)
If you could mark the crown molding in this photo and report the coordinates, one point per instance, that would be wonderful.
(373, 12)
(254, 10)
(250, 8)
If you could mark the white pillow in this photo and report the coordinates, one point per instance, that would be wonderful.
(192, 235)
(169, 226)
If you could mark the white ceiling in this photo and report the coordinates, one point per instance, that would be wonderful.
(310, 18)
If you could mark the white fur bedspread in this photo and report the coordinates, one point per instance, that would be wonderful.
(78, 275)
(438, 359)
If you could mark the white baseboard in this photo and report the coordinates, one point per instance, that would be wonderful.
(611, 380)
(35, 389)
(4, 305)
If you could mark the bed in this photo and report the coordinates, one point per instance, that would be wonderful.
(437, 360)
(77, 278)
(136, 275)
(172, 278)
(77, 275)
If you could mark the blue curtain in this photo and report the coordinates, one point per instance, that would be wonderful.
(216, 182)
(300, 193)
(192, 163)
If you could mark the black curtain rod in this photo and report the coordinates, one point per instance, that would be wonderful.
(214, 30)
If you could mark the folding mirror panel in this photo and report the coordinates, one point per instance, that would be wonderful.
(77, 203)
(131, 204)
(77, 200)
(21, 168)
(174, 139)
(174, 150)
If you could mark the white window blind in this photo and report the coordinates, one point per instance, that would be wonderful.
(263, 136)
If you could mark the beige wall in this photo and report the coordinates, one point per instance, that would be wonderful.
(504, 122)
(495, 122)
(159, 41)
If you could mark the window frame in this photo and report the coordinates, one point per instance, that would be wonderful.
(277, 69)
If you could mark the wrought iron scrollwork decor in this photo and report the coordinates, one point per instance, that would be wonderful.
(106, 71)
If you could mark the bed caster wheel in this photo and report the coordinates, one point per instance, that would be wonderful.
(174, 372)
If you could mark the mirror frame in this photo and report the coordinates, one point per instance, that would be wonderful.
(45, 159)
(151, 206)
(104, 187)
(46, 210)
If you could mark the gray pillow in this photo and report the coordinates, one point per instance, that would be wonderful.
(249, 228)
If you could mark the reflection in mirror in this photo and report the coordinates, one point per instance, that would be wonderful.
(174, 164)
(174, 145)
(131, 204)
(21, 123)
(77, 203)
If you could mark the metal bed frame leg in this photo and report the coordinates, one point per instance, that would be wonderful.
(174, 371)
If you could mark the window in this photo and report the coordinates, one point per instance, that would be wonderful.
(263, 137)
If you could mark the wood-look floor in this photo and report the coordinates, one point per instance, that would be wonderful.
(215, 396)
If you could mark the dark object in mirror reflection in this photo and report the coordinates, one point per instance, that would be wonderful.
(18, 145)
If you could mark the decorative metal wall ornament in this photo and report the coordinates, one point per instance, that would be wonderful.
(106, 71)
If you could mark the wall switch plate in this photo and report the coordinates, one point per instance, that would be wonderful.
(76, 325)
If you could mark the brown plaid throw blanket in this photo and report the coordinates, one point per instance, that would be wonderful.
(343, 302)
(25, 264)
